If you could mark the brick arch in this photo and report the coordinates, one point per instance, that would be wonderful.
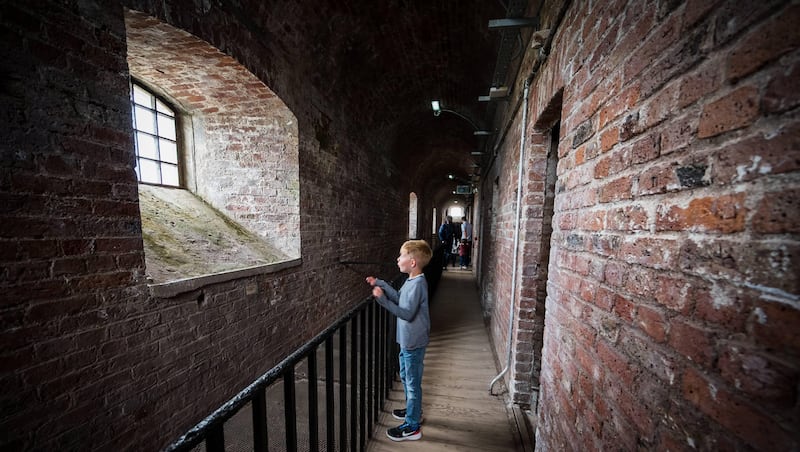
(244, 160)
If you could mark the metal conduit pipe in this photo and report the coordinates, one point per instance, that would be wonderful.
(517, 221)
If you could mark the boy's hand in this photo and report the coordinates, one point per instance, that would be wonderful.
(377, 292)
(371, 280)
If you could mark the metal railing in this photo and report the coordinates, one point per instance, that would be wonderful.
(371, 350)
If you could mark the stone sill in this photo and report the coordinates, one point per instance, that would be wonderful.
(179, 286)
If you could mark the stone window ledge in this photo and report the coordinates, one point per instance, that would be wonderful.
(179, 286)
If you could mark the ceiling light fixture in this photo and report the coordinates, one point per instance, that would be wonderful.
(437, 108)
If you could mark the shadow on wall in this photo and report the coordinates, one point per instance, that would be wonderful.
(433, 271)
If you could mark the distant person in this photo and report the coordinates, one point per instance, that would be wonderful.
(410, 305)
(466, 229)
(463, 253)
(466, 234)
(446, 236)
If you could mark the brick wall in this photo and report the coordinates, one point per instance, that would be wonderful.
(672, 297)
(91, 360)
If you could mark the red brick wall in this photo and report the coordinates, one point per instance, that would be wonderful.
(91, 361)
(672, 312)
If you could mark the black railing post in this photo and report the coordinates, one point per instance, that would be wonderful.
(313, 408)
(382, 351)
(391, 358)
(370, 366)
(215, 441)
(260, 433)
(354, 385)
(379, 358)
(362, 380)
(290, 410)
(330, 416)
(343, 387)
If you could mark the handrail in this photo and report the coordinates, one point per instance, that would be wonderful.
(210, 429)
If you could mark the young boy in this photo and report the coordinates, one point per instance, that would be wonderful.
(410, 305)
(463, 251)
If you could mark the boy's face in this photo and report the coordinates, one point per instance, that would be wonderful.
(405, 262)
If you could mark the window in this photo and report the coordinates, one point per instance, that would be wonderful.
(412, 216)
(155, 138)
(217, 159)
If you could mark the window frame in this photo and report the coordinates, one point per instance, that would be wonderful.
(176, 116)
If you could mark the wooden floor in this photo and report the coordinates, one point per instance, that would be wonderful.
(459, 412)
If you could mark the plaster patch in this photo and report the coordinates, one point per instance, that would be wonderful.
(713, 391)
(755, 166)
(719, 299)
(760, 316)
(775, 294)
(669, 372)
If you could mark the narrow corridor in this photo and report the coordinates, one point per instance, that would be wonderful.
(459, 412)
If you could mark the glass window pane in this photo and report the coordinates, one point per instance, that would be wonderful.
(156, 138)
(168, 150)
(145, 119)
(149, 171)
(161, 107)
(166, 127)
(141, 96)
(169, 174)
(146, 145)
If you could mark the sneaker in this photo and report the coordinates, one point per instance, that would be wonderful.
(404, 432)
(401, 415)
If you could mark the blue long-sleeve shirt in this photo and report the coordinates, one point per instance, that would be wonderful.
(410, 305)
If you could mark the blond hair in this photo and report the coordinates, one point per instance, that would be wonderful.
(419, 250)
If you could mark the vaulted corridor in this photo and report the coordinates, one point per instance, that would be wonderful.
(192, 193)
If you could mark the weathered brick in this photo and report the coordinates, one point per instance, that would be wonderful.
(693, 342)
(777, 213)
(740, 418)
(781, 93)
(700, 84)
(759, 375)
(616, 190)
(759, 156)
(656, 253)
(736, 110)
(770, 40)
(775, 325)
(629, 218)
(652, 322)
(645, 149)
(724, 214)
(657, 179)
(609, 138)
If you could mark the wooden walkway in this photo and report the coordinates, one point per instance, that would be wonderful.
(459, 413)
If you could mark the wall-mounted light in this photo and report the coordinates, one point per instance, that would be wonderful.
(437, 108)
(476, 153)
(482, 133)
(450, 176)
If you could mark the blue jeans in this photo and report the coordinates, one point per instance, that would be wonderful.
(411, 364)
